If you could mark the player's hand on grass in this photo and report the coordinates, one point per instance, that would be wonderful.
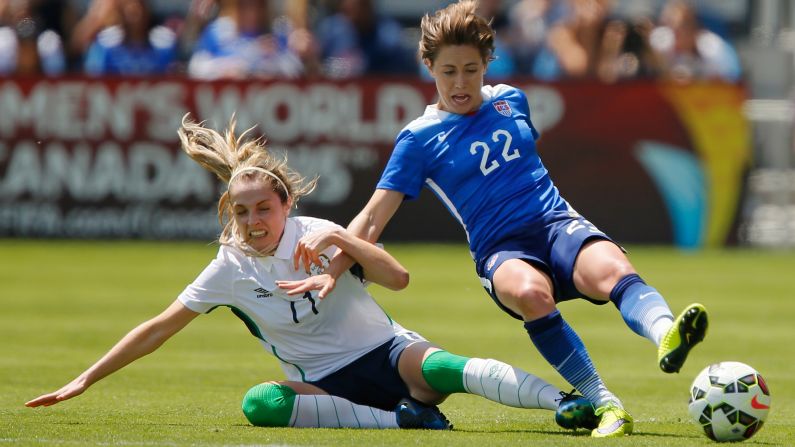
(68, 391)
(309, 248)
(324, 283)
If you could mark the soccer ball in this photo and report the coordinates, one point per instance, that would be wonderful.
(730, 401)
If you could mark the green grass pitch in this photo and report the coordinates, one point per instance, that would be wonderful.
(65, 303)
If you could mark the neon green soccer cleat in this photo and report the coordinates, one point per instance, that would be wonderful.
(614, 422)
(688, 330)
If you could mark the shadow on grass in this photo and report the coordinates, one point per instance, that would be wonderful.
(576, 434)
(538, 432)
(126, 423)
(579, 433)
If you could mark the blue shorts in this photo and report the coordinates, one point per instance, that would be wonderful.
(373, 378)
(553, 249)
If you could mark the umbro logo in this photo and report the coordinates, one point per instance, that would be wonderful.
(262, 293)
(495, 371)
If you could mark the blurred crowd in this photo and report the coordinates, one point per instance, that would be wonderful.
(339, 39)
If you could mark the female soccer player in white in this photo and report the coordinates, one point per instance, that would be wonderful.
(348, 364)
(475, 149)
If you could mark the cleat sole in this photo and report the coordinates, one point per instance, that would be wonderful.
(693, 325)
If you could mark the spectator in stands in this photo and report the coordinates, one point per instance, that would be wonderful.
(504, 64)
(302, 40)
(690, 51)
(245, 42)
(637, 57)
(60, 16)
(132, 46)
(589, 45)
(26, 49)
(529, 23)
(101, 14)
(198, 15)
(356, 40)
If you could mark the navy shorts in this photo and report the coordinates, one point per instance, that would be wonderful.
(553, 249)
(373, 378)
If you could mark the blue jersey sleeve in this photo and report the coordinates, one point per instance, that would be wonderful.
(524, 107)
(405, 170)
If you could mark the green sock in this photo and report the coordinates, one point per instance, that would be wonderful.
(269, 405)
(495, 380)
(274, 405)
(444, 372)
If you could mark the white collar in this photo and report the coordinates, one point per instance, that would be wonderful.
(286, 245)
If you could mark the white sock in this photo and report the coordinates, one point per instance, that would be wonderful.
(324, 411)
(501, 382)
(659, 328)
(597, 393)
(606, 397)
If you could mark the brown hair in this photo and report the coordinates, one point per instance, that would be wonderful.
(225, 155)
(457, 24)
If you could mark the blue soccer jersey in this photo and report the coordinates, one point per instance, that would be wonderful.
(483, 166)
(110, 54)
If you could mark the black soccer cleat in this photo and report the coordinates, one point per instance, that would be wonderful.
(413, 414)
(575, 411)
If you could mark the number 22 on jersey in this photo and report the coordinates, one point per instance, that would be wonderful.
(508, 154)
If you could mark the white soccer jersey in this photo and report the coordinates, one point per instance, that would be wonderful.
(311, 338)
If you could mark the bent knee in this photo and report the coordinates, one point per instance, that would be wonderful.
(529, 300)
(620, 268)
(269, 405)
(605, 280)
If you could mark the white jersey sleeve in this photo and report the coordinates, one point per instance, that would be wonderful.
(214, 286)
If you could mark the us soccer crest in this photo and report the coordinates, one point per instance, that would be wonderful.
(503, 108)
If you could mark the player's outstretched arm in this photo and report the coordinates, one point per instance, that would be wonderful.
(372, 219)
(142, 340)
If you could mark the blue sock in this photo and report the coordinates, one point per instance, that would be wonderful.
(642, 307)
(564, 350)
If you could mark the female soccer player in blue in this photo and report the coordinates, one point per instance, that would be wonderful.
(476, 150)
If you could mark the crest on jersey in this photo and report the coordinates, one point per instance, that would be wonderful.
(319, 269)
(503, 108)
